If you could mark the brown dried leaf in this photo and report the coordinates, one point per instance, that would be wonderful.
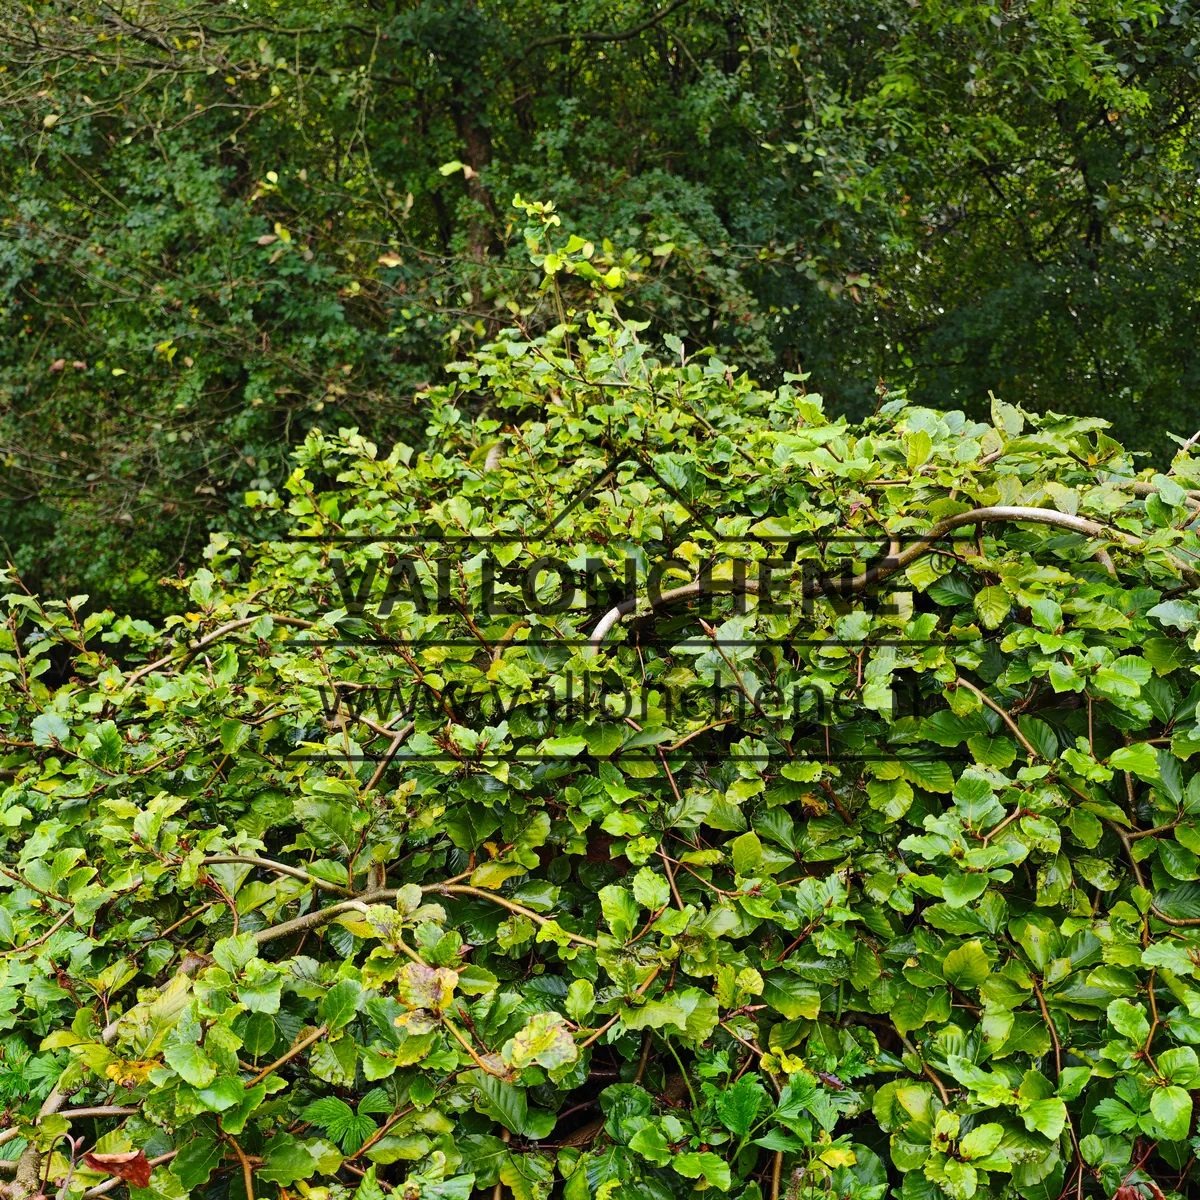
(131, 1167)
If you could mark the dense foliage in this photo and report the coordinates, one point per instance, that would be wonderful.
(224, 224)
(832, 834)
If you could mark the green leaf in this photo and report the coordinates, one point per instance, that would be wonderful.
(1039, 735)
(339, 1004)
(49, 727)
(285, 1160)
(790, 995)
(197, 1159)
(1180, 614)
(259, 1034)
(562, 747)
(966, 966)
(1046, 613)
(975, 801)
(651, 890)
(738, 1106)
(960, 1179)
(920, 447)
(959, 889)
(340, 1122)
(700, 1013)
(476, 981)
(1129, 1020)
(1097, 871)
(507, 1103)
(1139, 759)
(992, 751)
(234, 1118)
(981, 1141)
(654, 1014)
(191, 1064)
(1181, 1066)
(747, 853)
(1072, 1081)
(650, 1143)
(1115, 1117)
(910, 1009)
(1039, 938)
(368, 1188)
(992, 605)
(1047, 1117)
(581, 999)
(1171, 1107)
(221, 1094)
(233, 953)
(705, 1166)
(334, 1060)
(604, 740)
(620, 911)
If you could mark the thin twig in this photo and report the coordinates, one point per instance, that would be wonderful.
(247, 1169)
(182, 654)
(268, 864)
(1001, 712)
(1053, 1032)
(459, 889)
(641, 991)
(389, 754)
(683, 741)
(298, 1048)
(44, 938)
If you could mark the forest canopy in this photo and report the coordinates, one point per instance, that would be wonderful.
(224, 225)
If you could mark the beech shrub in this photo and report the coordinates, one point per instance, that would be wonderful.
(649, 786)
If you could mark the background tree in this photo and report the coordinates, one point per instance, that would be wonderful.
(224, 226)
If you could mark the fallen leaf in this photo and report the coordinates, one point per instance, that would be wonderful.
(267, 239)
(58, 364)
(131, 1167)
(390, 260)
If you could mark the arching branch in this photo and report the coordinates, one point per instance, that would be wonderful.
(182, 654)
(560, 39)
(894, 562)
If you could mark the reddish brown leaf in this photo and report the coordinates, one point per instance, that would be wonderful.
(131, 1167)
